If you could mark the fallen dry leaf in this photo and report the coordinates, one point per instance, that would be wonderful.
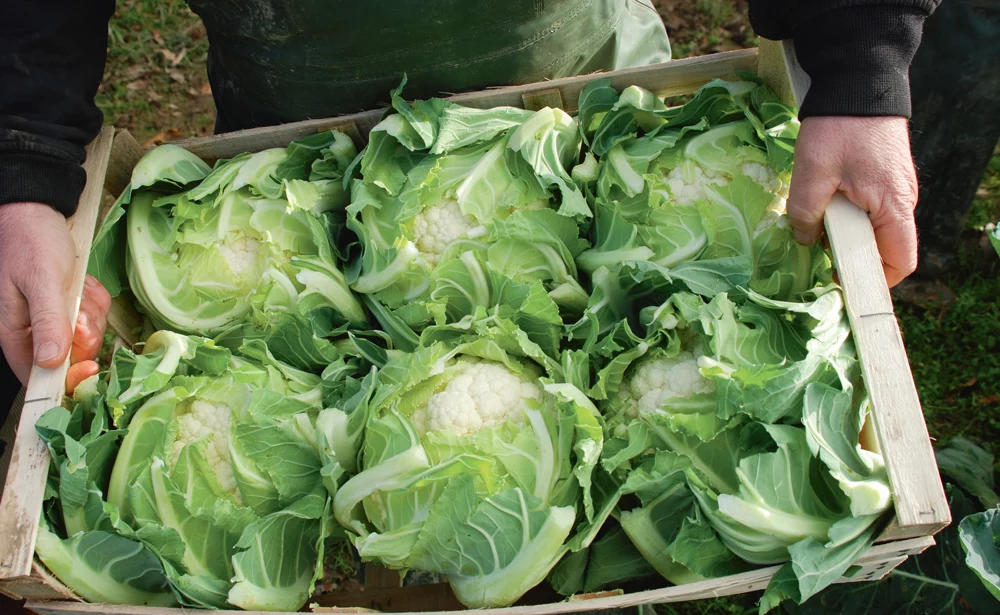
(173, 58)
(134, 72)
(968, 384)
(206, 89)
(156, 139)
(162, 137)
(176, 75)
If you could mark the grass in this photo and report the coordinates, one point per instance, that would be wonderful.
(954, 345)
(156, 86)
(155, 81)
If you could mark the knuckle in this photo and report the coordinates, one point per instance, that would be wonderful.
(46, 318)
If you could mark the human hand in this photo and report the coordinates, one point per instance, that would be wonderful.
(869, 160)
(37, 255)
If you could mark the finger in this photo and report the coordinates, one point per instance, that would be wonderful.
(87, 337)
(95, 293)
(50, 328)
(809, 194)
(79, 372)
(91, 323)
(896, 237)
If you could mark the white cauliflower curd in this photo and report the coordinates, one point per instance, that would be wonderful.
(481, 394)
(436, 227)
(655, 381)
(204, 419)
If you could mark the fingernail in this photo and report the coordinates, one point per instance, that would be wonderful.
(82, 320)
(91, 281)
(47, 351)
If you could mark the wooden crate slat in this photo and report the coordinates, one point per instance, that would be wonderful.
(921, 504)
(125, 153)
(874, 572)
(40, 585)
(25, 484)
(232, 144)
(546, 98)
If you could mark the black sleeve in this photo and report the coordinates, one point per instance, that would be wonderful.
(857, 52)
(52, 57)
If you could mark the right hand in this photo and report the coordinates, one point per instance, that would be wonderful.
(37, 256)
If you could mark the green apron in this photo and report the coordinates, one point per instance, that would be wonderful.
(274, 61)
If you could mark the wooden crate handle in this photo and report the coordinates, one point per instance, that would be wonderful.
(921, 505)
(25, 485)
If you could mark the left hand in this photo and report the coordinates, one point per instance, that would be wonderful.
(869, 160)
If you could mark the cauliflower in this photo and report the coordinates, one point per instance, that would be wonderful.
(209, 420)
(658, 380)
(243, 255)
(436, 227)
(686, 190)
(686, 183)
(765, 176)
(481, 394)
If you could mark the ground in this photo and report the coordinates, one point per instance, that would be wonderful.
(156, 86)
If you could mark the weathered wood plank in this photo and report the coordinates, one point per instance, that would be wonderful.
(921, 505)
(232, 144)
(24, 487)
(125, 153)
(546, 98)
(874, 572)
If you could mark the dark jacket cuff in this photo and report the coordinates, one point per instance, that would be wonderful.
(859, 60)
(38, 178)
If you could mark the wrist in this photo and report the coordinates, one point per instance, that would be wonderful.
(31, 177)
(25, 213)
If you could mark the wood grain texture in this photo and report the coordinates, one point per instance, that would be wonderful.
(921, 504)
(40, 585)
(539, 100)
(670, 79)
(232, 144)
(874, 572)
(24, 487)
(125, 153)
(727, 586)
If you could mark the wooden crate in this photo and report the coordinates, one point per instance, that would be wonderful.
(920, 505)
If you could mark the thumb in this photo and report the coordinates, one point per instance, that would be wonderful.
(50, 327)
(810, 192)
